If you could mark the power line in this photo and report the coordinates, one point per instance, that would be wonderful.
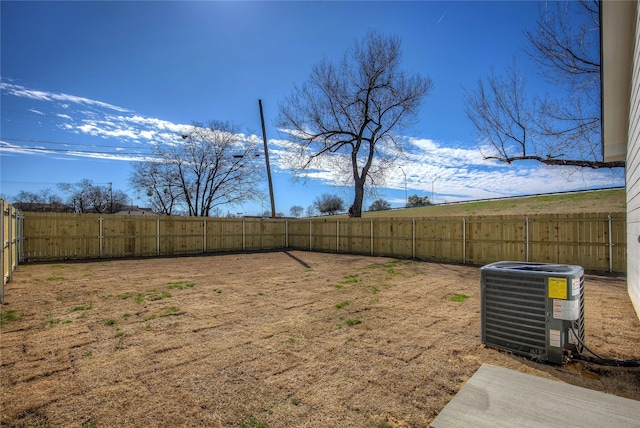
(66, 151)
(38, 182)
(25, 140)
(33, 113)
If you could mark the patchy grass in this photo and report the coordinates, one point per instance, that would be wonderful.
(347, 280)
(458, 297)
(55, 321)
(8, 316)
(153, 297)
(167, 312)
(150, 296)
(81, 308)
(350, 279)
(181, 285)
(252, 423)
(342, 304)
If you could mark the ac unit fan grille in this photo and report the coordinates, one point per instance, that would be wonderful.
(515, 312)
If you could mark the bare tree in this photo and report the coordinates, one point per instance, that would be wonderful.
(29, 200)
(311, 211)
(85, 197)
(418, 201)
(380, 205)
(567, 52)
(563, 129)
(328, 204)
(206, 167)
(296, 211)
(348, 116)
(157, 182)
(44, 200)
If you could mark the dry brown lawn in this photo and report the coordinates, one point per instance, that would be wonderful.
(280, 339)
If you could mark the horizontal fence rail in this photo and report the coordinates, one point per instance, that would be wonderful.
(594, 241)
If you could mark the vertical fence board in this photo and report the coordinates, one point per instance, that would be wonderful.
(324, 235)
(542, 239)
(273, 234)
(129, 236)
(254, 231)
(299, 234)
(355, 236)
(215, 235)
(178, 235)
(619, 241)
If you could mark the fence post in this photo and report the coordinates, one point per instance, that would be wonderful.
(526, 238)
(413, 249)
(21, 237)
(372, 237)
(464, 241)
(2, 267)
(10, 239)
(158, 235)
(610, 245)
(100, 238)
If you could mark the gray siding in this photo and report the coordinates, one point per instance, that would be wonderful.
(633, 178)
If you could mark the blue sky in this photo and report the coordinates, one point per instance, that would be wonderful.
(110, 77)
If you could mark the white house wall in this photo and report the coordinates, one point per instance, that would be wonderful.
(633, 178)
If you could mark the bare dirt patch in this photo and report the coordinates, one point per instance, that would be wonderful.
(276, 339)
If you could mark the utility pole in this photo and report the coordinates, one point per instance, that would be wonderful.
(432, 182)
(406, 197)
(266, 157)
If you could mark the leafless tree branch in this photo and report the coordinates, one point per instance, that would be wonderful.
(347, 113)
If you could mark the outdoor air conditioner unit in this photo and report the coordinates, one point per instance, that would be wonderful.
(533, 309)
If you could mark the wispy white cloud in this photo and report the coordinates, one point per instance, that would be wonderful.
(70, 154)
(21, 91)
(462, 174)
(131, 129)
(108, 130)
(457, 173)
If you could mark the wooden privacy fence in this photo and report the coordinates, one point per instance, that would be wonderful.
(594, 241)
(10, 238)
(89, 236)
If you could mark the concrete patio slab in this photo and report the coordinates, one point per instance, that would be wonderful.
(500, 397)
